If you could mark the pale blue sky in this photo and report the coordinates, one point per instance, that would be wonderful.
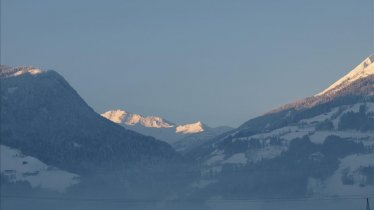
(222, 62)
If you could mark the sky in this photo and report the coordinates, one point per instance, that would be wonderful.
(221, 62)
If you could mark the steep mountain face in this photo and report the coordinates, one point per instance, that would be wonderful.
(48, 129)
(182, 137)
(364, 69)
(354, 83)
(323, 145)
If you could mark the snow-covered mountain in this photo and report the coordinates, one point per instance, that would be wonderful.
(49, 133)
(182, 137)
(322, 145)
(192, 128)
(364, 69)
(354, 83)
(126, 118)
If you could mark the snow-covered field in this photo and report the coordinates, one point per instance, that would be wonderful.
(18, 167)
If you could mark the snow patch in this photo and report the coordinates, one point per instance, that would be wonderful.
(203, 183)
(76, 145)
(114, 115)
(315, 186)
(238, 158)
(29, 71)
(211, 170)
(269, 152)
(319, 137)
(322, 117)
(190, 128)
(12, 89)
(216, 157)
(288, 133)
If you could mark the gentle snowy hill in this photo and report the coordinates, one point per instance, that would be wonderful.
(323, 145)
(47, 126)
(17, 167)
(182, 137)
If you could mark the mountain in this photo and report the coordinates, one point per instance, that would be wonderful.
(183, 137)
(49, 132)
(192, 128)
(365, 69)
(322, 145)
(351, 84)
(319, 146)
(123, 117)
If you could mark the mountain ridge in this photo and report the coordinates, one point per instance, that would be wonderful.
(353, 79)
(123, 117)
(181, 136)
(50, 112)
(364, 69)
(49, 132)
(322, 145)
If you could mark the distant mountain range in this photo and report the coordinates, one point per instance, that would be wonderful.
(183, 137)
(322, 145)
(319, 146)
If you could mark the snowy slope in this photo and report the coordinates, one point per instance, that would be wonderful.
(16, 167)
(348, 179)
(309, 128)
(363, 70)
